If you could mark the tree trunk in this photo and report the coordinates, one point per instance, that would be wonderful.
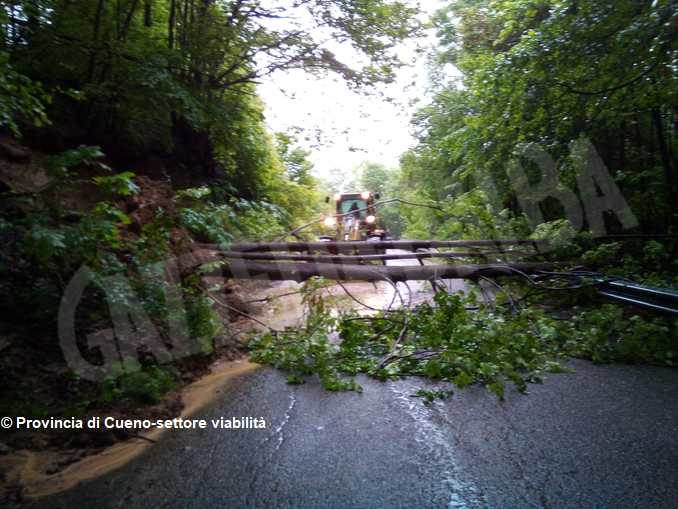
(375, 247)
(359, 258)
(128, 21)
(148, 13)
(184, 24)
(171, 24)
(241, 269)
(666, 159)
(95, 40)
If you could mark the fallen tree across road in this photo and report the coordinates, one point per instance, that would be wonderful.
(363, 258)
(366, 246)
(243, 269)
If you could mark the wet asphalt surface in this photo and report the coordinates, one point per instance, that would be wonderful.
(604, 436)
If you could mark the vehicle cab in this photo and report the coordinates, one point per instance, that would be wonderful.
(354, 218)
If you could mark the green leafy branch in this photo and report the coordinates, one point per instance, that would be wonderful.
(453, 339)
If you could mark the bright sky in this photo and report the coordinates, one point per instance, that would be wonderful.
(343, 128)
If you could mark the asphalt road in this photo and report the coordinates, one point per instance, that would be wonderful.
(605, 436)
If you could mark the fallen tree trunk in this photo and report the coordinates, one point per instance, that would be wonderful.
(243, 269)
(374, 247)
(361, 258)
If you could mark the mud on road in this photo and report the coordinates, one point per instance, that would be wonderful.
(603, 436)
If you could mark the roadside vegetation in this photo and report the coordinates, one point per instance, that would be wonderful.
(131, 132)
(546, 74)
(463, 339)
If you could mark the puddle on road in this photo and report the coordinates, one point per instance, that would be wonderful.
(287, 311)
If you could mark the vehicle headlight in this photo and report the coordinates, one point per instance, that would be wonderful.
(370, 219)
(365, 195)
(330, 221)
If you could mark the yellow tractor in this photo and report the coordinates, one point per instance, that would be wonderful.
(354, 218)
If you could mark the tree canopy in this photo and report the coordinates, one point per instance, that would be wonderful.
(132, 134)
(157, 77)
(550, 73)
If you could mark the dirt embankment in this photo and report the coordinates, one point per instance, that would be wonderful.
(30, 473)
(35, 378)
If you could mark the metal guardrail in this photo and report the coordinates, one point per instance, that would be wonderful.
(656, 299)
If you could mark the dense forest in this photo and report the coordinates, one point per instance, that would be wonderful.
(561, 128)
(549, 73)
(132, 129)
(164, 90)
